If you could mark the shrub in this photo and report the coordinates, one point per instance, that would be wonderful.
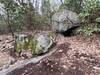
(90, 17)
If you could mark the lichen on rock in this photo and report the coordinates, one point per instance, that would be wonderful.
(64, 20)
(37, 44)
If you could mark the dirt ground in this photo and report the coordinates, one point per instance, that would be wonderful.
(76, 55)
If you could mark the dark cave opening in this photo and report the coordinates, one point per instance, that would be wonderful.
(70, 32)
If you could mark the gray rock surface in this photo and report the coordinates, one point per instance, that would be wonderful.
(43, 41)
(37, 44)
(64, 20)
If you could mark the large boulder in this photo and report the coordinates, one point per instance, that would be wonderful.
(37, 44)
(64, 20)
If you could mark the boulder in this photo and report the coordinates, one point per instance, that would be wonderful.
(37, 44)
(64, 20)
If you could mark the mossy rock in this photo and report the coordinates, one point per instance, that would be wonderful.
(37, 44)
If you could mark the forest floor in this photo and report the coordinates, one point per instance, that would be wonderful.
(75, 55)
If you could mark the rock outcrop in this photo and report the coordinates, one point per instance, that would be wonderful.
(64, 20)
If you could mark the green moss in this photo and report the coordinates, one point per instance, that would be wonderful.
(30, 43)
(19, 46)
